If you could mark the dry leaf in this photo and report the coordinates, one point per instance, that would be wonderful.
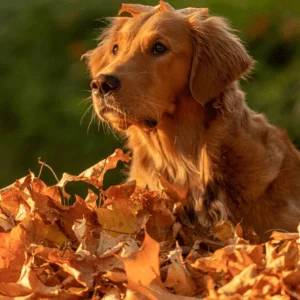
(12, 254)
(178, 278)
(51, 250)
(95, 174)
(224, 231)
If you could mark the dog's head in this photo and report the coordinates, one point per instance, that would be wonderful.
(144, 63)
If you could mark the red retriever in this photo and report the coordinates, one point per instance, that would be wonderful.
(168, 80)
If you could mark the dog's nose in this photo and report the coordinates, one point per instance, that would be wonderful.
(105, 84)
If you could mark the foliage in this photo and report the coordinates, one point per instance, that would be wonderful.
(128, 243)
(43, 80)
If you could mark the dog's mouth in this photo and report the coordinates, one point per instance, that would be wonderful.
(114, 117)
(122, 122)
(150, 123)
(118, 118)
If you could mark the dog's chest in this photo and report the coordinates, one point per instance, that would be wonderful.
(167, 159)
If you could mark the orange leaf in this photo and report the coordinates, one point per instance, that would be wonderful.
(12, 254)
(142, 267)
(95, 174)
(178, 277)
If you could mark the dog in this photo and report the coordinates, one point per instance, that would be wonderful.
(168, 81)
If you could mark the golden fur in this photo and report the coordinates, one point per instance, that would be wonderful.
(201, 135)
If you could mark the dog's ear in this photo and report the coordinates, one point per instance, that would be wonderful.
(136, 9)
(219, 57)
(86, 56)
(164, 7)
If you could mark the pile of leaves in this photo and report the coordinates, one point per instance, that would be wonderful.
(131, 243)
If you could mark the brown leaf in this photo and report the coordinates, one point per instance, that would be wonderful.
(13, 289)
(12, 203)
(178, 278)
(61, 252)
(95, 174)
(109, 246)
(251, 235)
(30, 280)
(70, 215)
(123, 191)
(12, 254)
(111, 250)
(6, 222)
(85, 236)
(161, 221)
(91, 200)
(175, 193)
(291, 283)
(82, 265)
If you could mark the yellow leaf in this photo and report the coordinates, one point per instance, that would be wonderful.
(224, 231)
(117, 222)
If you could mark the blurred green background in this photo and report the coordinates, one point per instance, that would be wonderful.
(43, 82)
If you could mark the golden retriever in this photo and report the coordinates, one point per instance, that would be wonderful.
(168, 79)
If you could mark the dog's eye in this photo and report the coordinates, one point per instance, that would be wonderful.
(115, 49)
(159, 48)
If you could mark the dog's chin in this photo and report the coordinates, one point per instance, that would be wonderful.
(120, 122)
(114, 118)
(117, 118)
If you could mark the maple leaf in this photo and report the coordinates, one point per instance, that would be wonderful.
(29, 279)
(49, 250)
(85, 236)
(161, 221)
(142, 267)
(95, 174)
(74, 214)
(142, 270)
(119, 220)
(119, 213)
(81, 265)
(178, 278)
(12, 254)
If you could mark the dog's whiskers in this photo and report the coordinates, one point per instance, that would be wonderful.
(85, 113)
(91, 121)
(86, 100)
